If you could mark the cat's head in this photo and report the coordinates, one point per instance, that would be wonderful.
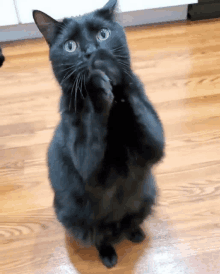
(77, 41)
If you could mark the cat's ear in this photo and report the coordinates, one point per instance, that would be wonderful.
(108, 11)
(46, 24)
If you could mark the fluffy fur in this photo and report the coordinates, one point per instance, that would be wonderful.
(109, 135)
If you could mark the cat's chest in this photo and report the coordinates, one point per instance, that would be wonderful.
(124, 197)
(121, 194)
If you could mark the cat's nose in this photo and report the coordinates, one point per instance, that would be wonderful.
(89, 50)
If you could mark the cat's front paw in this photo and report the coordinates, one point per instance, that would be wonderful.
(99, 80)
(100, 89)
(104, 61)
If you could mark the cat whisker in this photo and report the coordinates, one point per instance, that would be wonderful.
(81, 86)
(73, 67)
(67, 76)
(117, 48)
(121, 53)
(127, 73)
(60, 65)
(71, 94)
(66, 69)
(68, 64)
(123, 62)
(77, 85)
(76, 89)
(85, 83)
(123, 57)
(125, 69)
(71, 98)
(80, 83)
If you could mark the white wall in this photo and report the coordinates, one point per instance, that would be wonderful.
(133, 5)
(7, 13)
(135, 12)
(56, 8)
(64, 8)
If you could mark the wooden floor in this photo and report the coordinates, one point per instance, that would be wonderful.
(180, 66)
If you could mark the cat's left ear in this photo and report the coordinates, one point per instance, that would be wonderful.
(46, 24)
(108, 11)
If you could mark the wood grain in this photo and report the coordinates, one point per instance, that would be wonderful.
(180, 66)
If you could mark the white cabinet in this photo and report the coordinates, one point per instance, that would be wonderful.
(135, 5)
(133, 12)
(7, 13)
(66, 8)
(57, 9)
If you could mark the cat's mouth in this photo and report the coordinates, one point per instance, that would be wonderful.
(103, 61)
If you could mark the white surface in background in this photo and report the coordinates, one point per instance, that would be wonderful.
(7, 13)
(66, 8)
(168, 14)
(152, 16)
(134, 5)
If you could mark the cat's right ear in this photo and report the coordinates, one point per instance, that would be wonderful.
(108, 11)
(46, 24)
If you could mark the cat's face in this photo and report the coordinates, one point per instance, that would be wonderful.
(76, 43)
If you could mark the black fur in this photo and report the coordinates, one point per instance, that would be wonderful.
(2, 58)
(109, 136)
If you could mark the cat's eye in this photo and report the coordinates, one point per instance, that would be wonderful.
(103, 34)
(70, 46)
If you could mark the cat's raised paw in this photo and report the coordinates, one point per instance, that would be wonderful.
(100, 80)
(100, 90)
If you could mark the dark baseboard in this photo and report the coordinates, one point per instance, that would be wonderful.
(206, 9)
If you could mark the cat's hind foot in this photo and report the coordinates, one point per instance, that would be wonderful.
(108, 255)
(135, 235)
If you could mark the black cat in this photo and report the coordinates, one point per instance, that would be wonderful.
(109, 136)
(2, 58)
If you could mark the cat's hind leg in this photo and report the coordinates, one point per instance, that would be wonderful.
(131, 222)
